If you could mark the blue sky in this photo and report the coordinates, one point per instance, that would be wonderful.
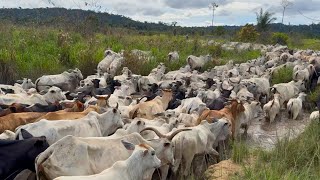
(187, 12)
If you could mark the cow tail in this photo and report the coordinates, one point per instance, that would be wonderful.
(290, 109)
(40, 173)
(37, 81)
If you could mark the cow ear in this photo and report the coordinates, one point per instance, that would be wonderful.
(145, 152)
(25, 134)
(40, 142)
(127, 145)
(13, 109)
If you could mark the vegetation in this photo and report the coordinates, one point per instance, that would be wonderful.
(280, 38)
(34, 51)
(283, 75)
(291, 159)
(264, 19)
(248, 33)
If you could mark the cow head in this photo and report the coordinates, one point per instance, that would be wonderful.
(110, 121)
(39, 144)
(163, 146)
(145, 153)
(54, 94)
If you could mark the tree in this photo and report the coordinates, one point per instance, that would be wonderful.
(174, 23)
(285, 4)
(248, 33)
(264, 19)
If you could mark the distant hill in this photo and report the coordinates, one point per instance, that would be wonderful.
(60, 17)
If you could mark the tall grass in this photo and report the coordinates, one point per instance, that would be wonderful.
(295, 159)
(38, 51)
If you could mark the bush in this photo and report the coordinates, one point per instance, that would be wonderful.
(283, 75)
(248, 33)
(8, 72)
(215, 51)
(280, 38)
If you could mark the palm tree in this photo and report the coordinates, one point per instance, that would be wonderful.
(264, 19)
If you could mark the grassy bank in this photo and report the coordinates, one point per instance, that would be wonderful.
(295, 159)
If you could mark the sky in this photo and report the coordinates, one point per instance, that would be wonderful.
(187, 12)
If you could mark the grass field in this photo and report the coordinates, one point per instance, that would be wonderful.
(31, 52)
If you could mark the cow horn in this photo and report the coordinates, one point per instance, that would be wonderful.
(107, 102)
(154, 130)
(176, 132)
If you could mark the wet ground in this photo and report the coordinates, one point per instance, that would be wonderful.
(265, 135)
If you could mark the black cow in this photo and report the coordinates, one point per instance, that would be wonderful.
(17, 155)
(152, 92)
(178, 94)
(107, 90)
(219, 103)
(44, 108)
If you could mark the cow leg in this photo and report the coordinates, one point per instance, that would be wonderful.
(187, 167)
(164, 172)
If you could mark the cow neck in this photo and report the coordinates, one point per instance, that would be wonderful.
(165, 99)
(134, 167)
(233, 109)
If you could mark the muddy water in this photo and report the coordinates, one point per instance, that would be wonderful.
(265, 135)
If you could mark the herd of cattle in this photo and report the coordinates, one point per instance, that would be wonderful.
(126, 126)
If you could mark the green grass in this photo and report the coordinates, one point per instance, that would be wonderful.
(283, 75)
(37, 51)
(295, 159)
(240, 151)
(298, 43)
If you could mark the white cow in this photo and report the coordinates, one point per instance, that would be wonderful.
(201, 139)
(66, 81)
(53, 95)
(198, 62)
(141, 160)
(92, 125)
(294, 106)
(8, 135)
(63, 158)
(272, 108)
(173, 56)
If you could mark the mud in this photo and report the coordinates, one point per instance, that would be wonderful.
(265, 135)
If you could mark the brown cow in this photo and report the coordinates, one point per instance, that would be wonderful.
(12, 121)
(77, 107)
(63, 115)
(229, 112)
(14, 108)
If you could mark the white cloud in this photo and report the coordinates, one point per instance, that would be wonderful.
(186, 13)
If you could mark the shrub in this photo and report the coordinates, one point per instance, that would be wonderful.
(215, 51)
(283, 75)
(8, 72)
(280, 38)
(248, 33)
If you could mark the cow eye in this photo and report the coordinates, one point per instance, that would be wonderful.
(152, 153)
(52, 91)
